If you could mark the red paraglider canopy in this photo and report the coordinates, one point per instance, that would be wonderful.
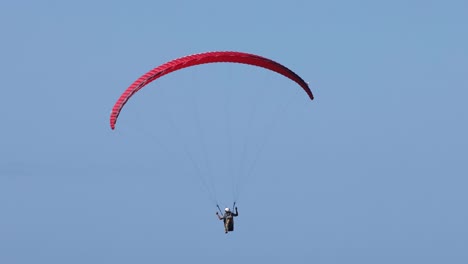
(203, 58)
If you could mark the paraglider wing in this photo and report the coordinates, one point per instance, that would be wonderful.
(203, 58)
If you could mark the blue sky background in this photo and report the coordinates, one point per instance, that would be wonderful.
(372, 171)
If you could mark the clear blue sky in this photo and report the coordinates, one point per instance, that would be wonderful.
(372, 171)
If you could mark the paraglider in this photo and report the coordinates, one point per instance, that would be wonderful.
(199, 59)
